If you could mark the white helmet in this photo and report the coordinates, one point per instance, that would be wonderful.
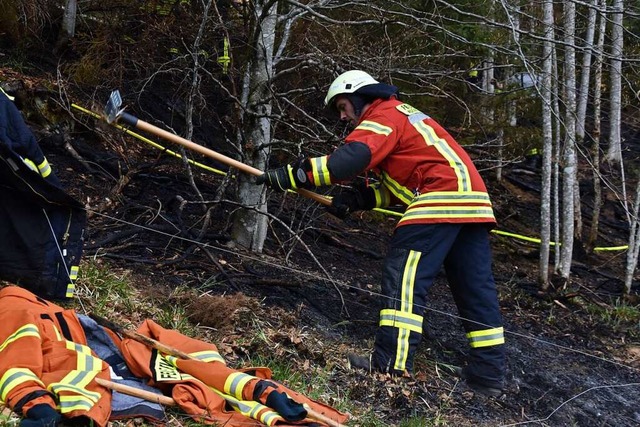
(348, 82)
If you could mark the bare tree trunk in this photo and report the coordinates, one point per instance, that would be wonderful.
(193, 94)
(557, 155)
(614, 154)
(249, 227)
(69, 18)
(634, 243)
(583, 91)
(547, 150)
(569, 152)
(597, 112)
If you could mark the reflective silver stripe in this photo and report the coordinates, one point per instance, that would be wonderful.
(452, 197)
(400, 321)
(44, 168)
(374, 127)
(440, 144)
(208, 356)
(448, 213)
(28, 330)
(486, 338)
(396, 189)
(13, 377)
(235, 383)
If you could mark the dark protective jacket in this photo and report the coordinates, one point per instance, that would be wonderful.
(42, 227)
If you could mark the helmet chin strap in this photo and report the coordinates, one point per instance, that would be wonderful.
(358, 102)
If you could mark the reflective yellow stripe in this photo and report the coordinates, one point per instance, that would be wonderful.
(252, 409)
(375, 127)
(292, 181)
(75, 403)
(234, 385)
(401, 320)
(402, 193)
(486, 337)
(441, 197)
(28, 330)
(71, 287)
(13, 377)
(44, 168)
(383, 196)
(72, 389)
(408, 282)
(448, 212)
(456, 163)
(404, 320)
(31, 165)
(208, 356)
(476, 204)
(320, 171)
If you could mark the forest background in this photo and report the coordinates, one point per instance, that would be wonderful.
(511, 80)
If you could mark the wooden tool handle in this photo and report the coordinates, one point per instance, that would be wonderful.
(137, 392)
(149, 342)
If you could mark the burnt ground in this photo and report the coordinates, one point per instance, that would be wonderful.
(571, 360)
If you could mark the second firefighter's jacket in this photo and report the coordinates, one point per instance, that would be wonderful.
(43, 359)
(418, 162)
(207, 388)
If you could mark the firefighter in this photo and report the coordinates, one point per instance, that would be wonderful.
(446, 222)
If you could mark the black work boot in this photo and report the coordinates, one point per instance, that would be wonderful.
(359, 362)
(489, 389)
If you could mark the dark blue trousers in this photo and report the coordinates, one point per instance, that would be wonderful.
(415, 257)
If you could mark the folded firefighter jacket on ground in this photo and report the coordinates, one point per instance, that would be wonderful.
(209, 390)
(60, 369)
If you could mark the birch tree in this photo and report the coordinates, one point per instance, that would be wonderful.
(585, 71)
(69, 18)
(595, 136)
(254, 135)
(547, 152)
(614, 154)
(634, 243)
(569, 152)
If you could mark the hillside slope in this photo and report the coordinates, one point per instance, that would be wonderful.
(574, 354)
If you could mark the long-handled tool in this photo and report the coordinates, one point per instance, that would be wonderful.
(114, 113)
(137, 392)
(163, 348)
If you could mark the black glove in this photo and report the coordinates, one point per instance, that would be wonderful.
(287, 177)
(288, 408)
(41, 415)
(358, 198)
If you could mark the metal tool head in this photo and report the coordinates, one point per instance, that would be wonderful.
(112, 110)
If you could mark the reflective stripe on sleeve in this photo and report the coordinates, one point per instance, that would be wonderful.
(234, 385)
(320, 171)
(44, 168)
(28, 330)
(13, 377)
(374, 127)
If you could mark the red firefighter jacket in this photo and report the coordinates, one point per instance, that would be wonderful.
(418, 162)
(44, 359)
